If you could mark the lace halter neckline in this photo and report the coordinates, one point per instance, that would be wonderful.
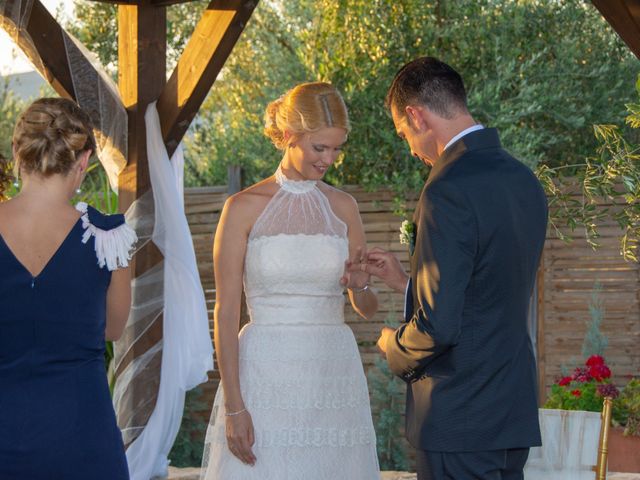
(293, 186)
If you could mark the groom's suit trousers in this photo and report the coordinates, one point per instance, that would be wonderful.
(490, 465)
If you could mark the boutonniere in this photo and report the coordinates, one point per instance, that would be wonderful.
(408, 235)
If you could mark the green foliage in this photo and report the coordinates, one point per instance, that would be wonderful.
(561, 397)
(613, 175)
(5, 178)
(96, 191)
(627, 407)
(595, 342)
(96, 26)
(388, 404)
(10, 108)
(541, 72)
(189, 444)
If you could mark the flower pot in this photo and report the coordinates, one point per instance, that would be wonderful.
(569, 446)
(624, 452)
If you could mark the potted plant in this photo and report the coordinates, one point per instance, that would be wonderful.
(585, 389)
(570, 424)
(624, 440)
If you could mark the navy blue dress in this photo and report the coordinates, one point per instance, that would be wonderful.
(56, 417)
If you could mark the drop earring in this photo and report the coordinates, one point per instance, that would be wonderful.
(82, 174)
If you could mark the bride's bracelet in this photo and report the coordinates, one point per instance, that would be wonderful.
(233, 414)
(360, 290)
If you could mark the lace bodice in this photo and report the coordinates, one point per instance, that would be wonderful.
(295, 258)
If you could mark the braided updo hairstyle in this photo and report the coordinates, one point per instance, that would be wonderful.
(306, 108)
(48, 136)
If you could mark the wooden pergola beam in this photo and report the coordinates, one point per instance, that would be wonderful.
(624, 17)
(154, 3)
(60, 61)
(204, 56)
(47, 37)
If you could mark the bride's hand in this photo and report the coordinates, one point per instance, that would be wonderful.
(354, 275)
(240, 436)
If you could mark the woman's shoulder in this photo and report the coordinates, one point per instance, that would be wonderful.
(344, 203)
(113, 238)
(337, 194)
(254, 197)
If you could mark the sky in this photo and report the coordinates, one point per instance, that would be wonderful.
(14, 61)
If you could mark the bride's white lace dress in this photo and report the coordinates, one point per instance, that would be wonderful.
(301, 375)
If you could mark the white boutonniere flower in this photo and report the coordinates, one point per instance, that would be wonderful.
(406, 232)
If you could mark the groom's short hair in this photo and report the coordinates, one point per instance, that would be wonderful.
(428, 81)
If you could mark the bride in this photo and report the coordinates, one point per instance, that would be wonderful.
(293, 401)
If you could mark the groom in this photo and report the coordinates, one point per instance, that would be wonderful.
(479, 229)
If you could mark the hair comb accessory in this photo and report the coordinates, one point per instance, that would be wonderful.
(327, 110)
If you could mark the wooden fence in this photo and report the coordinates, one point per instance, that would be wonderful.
(569, 273)
(566, 280)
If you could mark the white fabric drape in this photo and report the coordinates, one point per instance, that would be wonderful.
(187, 349)
(569, 446)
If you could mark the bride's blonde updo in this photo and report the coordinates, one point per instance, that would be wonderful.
(306, 108)
(48, 136)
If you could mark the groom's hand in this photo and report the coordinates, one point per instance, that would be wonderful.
(386, 335)
(386, 266)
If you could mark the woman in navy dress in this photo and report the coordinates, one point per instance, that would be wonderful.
(62, 293)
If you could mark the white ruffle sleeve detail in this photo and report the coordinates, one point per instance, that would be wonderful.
(113, 247)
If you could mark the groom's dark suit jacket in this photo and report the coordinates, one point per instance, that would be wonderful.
(464, 349)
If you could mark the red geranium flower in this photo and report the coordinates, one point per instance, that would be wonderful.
(599, 372)
(576, 393)
(607, 390)
(564, 381)
(594, 360)
(581, 375)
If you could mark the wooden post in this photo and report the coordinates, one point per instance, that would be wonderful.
(141, 77)
(234, 179)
